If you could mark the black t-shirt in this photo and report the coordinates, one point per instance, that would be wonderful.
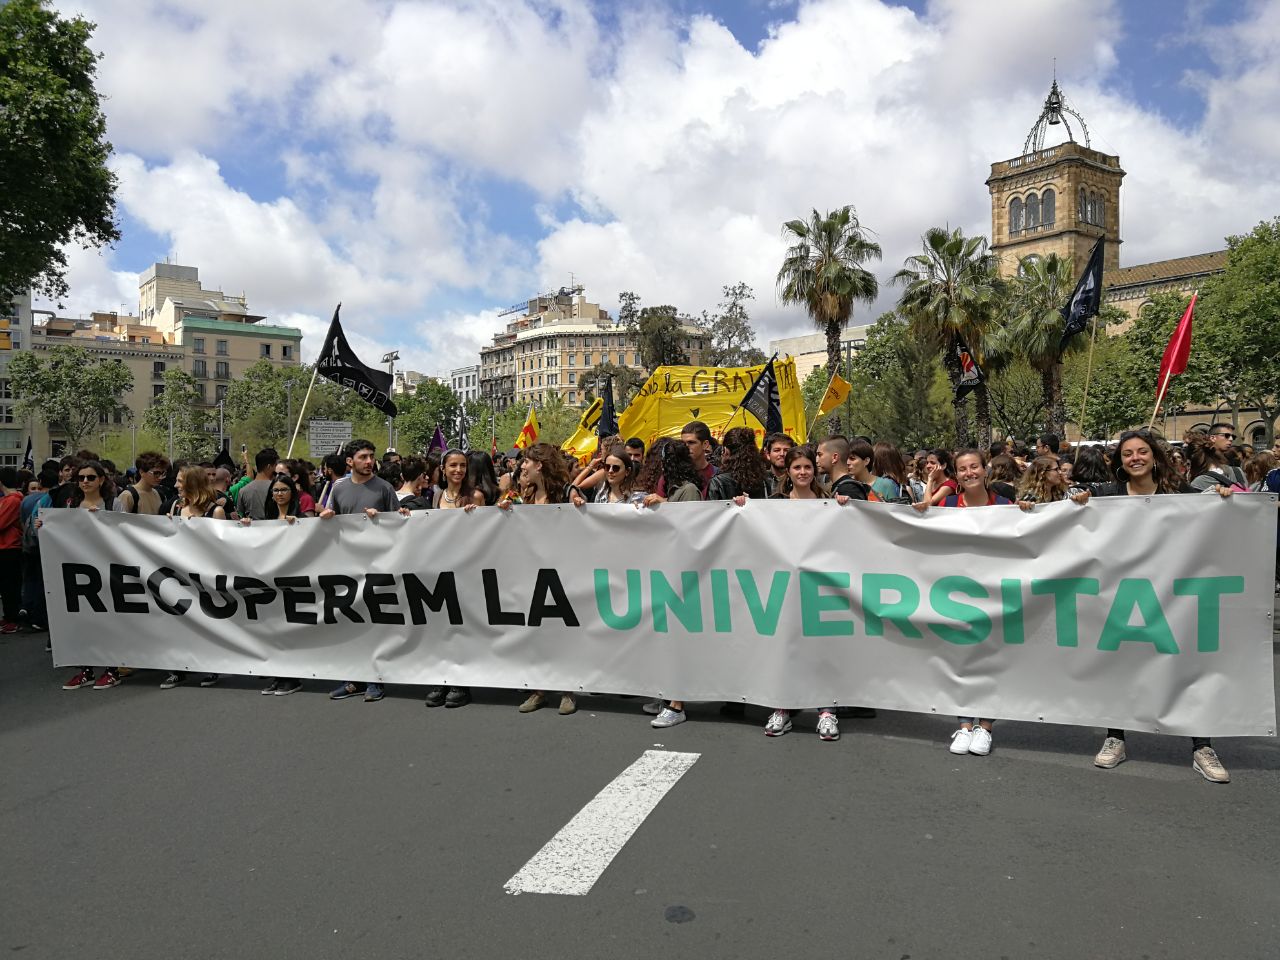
(724, 487)
(848, 486)
(1005, 490)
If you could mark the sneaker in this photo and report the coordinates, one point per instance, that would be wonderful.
(435, 696)
(533, 702)
(173, 680)
(271, 688)
(779, 722)
(1206, 763)
(828, 726)
(210, 680)
(654, 707)
(960, 741)
(81, 681)
(568, 705)
(668, 718)
(457, 697)
(123, 672)
(287, 687)
(373, 693)
(980, 743)
(344, 691)
(8, 626)
(1111, 754)
(107, 680)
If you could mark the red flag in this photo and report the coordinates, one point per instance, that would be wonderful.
(1176, 353)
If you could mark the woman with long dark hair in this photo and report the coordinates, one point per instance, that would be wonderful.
(941, 477)
(889, 465)
(619, 486)
(94, 492)
(1143, 468)
(669, 468)
(742, 469)
(455, 491)
(1090, 466)
(481, 475)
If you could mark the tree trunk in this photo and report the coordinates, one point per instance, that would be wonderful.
(834, 358)
(1055, 410)
(951, 363)
(982, 413)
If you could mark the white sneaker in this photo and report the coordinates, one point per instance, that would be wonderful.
(960, 741)
(980, 744)
(667, 718)
(779, 722)
(1111, 755)
(654, 707)
(828, 727)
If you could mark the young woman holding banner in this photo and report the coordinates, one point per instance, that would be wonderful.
(94, 491)
(544, 480)
(974, 734)
(284, 502)
(1143, 468)
(801, 483)
(456, 491)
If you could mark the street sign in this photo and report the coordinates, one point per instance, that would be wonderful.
(325, 436)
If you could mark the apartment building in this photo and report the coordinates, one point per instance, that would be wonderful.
(465, 382)
(558, 339)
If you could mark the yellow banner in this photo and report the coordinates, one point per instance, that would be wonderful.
(672, 396)
(837, 392)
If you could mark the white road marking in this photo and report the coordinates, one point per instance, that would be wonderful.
(572, 861)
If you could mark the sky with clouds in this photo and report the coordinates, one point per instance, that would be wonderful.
(430, 162)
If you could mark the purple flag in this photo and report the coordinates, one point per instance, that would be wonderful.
(437, 441)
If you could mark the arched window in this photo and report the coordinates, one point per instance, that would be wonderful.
(1082, 210)
(1015, 215)
(1033, 211)
(1101, 212)
(1092, 208)
(1048, 200)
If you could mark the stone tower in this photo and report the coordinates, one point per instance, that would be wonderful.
(1057, 199)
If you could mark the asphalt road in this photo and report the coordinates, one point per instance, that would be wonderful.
(219, 823)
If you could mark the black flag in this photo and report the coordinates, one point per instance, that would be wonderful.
(607, 425)
(339, 363)
(971, 375)
(223, 459)
(28, 461)
(1085, 299)
(762, 400)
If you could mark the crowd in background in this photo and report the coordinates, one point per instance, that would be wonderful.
(691, 467)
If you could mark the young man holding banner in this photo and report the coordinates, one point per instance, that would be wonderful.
(362, 492)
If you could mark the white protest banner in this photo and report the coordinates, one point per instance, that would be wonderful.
(1145, 613)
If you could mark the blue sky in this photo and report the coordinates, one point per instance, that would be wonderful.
(430, 162)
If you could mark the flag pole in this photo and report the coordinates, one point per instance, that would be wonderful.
(303, 412)
(1088, 373)
(830, 380)
(1159, 397)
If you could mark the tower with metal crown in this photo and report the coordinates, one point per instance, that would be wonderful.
(1056, 199)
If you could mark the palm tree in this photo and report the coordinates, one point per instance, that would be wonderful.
(823, 271)
(1033, 326)
(950, 292)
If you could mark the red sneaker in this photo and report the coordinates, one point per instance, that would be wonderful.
(7, 626)
(108, 679)
(83, 679)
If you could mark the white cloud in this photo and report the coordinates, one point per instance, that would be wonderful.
(661, 156)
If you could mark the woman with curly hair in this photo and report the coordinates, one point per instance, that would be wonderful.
(619, 485)
(742, 468)
(668, 474)
(1207, 460)
(1043, 482)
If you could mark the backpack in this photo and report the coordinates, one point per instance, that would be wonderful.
(905, 494)
(168, 497)
(847, 486)
(30, 541)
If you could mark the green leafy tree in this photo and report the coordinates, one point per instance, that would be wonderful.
(823, 272)
(55, 187)
(1239, 325)
(73, 391)
(1113, 401)
(731, 338)
(433, 404)
(1032, 328)
(1017, 405)
(949, 293)
(177, 412)
(660, 337)
(899, 390)
(626, 381)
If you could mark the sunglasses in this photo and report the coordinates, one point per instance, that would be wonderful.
(88, 477)
(1229, 436)
(613, 467)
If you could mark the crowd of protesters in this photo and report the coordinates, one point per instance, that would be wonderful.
(688, 468)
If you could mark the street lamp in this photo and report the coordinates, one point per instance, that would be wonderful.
(390, 359)
(288, 401)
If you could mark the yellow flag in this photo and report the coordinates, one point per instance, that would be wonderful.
(837, 391)
(584, 441)
(529, 432)
(673, 396)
